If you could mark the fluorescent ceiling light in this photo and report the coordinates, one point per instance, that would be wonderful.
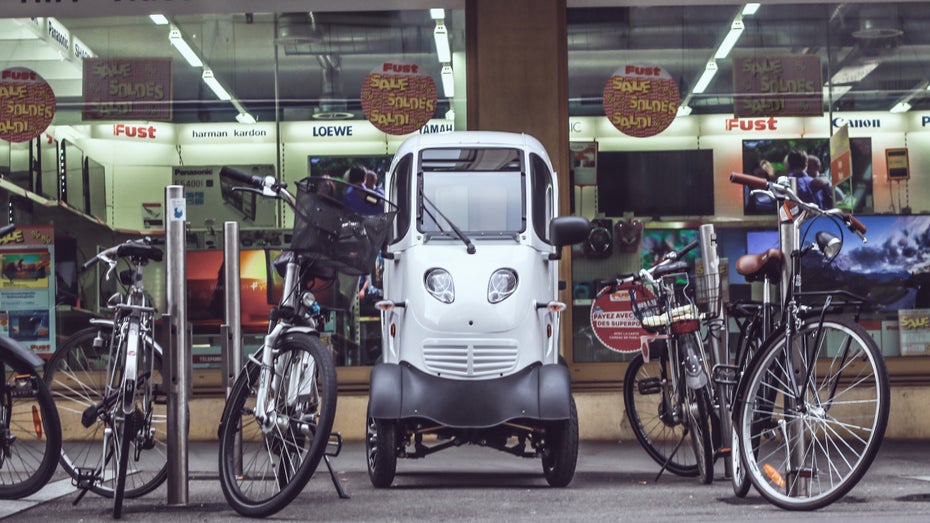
(448, 81)
(158, 19)
(437, 14)
(684, 110)
(214, 85)
(245, 118)
(174, 36)
(441, 35)
(837, 91)
(709, 71)
(901, 107)
(751, 8)
(853, 73)
(736, 29)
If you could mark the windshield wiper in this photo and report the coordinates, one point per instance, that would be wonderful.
(469, 246)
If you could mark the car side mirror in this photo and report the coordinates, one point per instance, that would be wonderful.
(567, 230)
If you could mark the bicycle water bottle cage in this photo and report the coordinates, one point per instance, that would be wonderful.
(758, 267)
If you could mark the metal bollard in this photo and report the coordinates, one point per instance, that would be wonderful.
(232, 349)
(179, 349)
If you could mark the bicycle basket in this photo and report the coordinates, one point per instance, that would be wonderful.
(708, 293)
(683, 315)
(334, 235)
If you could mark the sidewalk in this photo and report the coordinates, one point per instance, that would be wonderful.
(614, 481)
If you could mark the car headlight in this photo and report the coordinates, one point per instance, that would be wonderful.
(501, 285)
(439, 283)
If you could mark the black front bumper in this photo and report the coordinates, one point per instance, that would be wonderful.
(538, 392)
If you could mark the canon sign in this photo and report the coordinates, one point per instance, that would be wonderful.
(752, 124)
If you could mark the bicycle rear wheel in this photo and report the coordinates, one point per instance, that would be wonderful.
(77, 377)
(30, 434)
(649, 410)
(262, 470)
(803, 452)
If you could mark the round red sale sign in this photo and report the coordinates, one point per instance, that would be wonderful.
(641, 99)
(614, 323)
(398, 98)
(27, 104)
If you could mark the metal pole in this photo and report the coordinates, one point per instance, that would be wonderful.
(232, 354)
(179, 349)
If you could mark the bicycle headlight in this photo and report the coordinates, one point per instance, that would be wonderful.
(439, 283)
(501, 285)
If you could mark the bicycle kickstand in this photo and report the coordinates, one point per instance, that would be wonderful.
(670, 456)
(332, 472)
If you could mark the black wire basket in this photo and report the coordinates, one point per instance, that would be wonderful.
(649, 304)
(668, 305)
(334, 235)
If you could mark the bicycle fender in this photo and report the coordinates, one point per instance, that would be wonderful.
(18, 357)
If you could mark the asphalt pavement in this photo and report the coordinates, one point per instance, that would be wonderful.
(614, 481)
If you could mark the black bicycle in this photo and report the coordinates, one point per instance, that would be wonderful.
(30, 430)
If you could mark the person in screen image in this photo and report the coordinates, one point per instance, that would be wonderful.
(371, 182)
(822, 184)
(356, 197)
(761, 203)
(797, 168)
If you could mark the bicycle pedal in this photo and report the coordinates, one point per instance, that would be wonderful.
(85, 478)
(726, 374)
(649, 386)
(335, 440)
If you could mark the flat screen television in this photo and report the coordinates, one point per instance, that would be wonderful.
(18, 167)
(258, 289)
(890, 268)
(338, 166)
(95, 189)
(854, 194)
(72, 162)
(48, 183)
(658, 242)
(242, 201)
(656, 183)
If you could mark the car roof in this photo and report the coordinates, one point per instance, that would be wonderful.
(472, 138)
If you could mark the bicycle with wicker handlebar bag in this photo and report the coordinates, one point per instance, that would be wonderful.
(277, 422)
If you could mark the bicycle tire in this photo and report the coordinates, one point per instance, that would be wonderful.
(844, 415)
(650, 419)
(751, 339)
(27, 462)
(697, 409)
(126, 434)
(77, 378)
(253, 482)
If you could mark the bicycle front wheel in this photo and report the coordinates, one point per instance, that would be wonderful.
(649, 406)
(263, 467)
(806, 448)
(30, 434)
(77, 376)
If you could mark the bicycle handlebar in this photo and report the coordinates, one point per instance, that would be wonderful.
(669, 264)
(141, 248)
(781, 192)
(269, 186)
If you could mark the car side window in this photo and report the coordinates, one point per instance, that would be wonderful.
(400, 195)
(541, 190)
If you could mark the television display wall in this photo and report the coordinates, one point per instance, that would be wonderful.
(656, 183)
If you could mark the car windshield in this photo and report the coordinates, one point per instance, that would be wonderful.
(480, 190)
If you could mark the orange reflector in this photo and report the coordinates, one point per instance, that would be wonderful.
(393, 330)
(37, 421)
(385, 305)
(556, 306)
(549, 330)
(774, 475)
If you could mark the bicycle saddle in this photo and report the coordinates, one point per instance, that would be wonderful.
(757, 267)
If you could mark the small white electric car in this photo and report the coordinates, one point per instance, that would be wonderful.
(470, 316)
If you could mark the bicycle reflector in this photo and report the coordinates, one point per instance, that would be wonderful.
(37, 421)
(774, 475)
